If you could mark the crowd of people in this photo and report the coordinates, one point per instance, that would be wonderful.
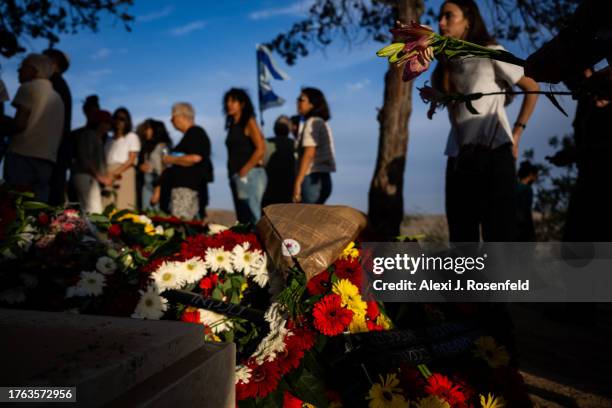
(110, 161)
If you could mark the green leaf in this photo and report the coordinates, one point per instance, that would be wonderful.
(309, 388)
(217, 294)
(112, 253)
(555, 102)
(98, 218)
(470, 107)
(34, 205)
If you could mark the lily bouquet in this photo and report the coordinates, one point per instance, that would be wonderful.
(417, 45)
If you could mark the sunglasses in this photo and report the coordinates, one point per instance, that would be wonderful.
(301, 99)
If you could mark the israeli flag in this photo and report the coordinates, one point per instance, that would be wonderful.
(266, 71)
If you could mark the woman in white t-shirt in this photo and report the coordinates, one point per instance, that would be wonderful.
(121, 157)
(482, 148)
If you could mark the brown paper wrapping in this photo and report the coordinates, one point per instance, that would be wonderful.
(321, 231)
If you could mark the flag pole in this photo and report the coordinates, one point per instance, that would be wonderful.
(261, 119)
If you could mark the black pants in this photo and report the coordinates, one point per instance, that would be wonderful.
(481, 195)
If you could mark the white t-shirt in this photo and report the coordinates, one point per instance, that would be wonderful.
(490, 127)
(118, 150)
(43, 133)
(317, 133)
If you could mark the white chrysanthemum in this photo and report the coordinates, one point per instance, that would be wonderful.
(259, 268)
(193, 270)
(216, 228)
(91, 283)
(168, 276)
(12, 296)
(218, 259)
(159, 230)
(271, 345)
(151, 305)
(217, 323)
(276, 316)
(106, 265)
(242, 258)
(243, 374)
(274, 342)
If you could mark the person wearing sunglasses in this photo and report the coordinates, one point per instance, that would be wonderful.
(315, 146)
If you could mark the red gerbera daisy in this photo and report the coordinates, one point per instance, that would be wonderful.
(291, 357)
(441, 386)
(319, 285)
(264, 379)
(330, 318)
(349, 269)
(302, 335)
(373, 311)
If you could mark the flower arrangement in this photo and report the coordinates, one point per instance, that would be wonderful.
(126, 264)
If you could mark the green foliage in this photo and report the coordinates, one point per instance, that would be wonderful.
(48, 19)
(553, 189)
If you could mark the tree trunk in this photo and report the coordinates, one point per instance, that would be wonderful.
(386, 201)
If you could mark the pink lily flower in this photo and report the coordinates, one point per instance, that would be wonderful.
(411, 32)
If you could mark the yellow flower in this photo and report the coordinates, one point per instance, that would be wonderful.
(350, 252)
(350, 296)
(387, 394)
(492, 401)
(488, 350)
(384, 322)
(149, 229)
(432, 402)
(243, 287)
(358, 324)
(129, 216)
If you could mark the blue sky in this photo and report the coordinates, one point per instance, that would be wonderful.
(195, 50)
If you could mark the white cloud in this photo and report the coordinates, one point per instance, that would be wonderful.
(102, 53)
(295, 9)
(357, 86)
(155, 15)
(188, 28)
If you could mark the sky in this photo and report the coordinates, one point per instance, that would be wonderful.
(194, 51)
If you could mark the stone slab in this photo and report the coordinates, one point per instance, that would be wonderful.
(103, 357)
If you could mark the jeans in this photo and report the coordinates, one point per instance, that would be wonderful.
(30, 172)
(148, 185)
(316, 188)
(247, 194)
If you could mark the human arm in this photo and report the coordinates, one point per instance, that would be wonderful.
(252, 131)
(528, 105)
(305, 162)
(187, 160)
(132, 158)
